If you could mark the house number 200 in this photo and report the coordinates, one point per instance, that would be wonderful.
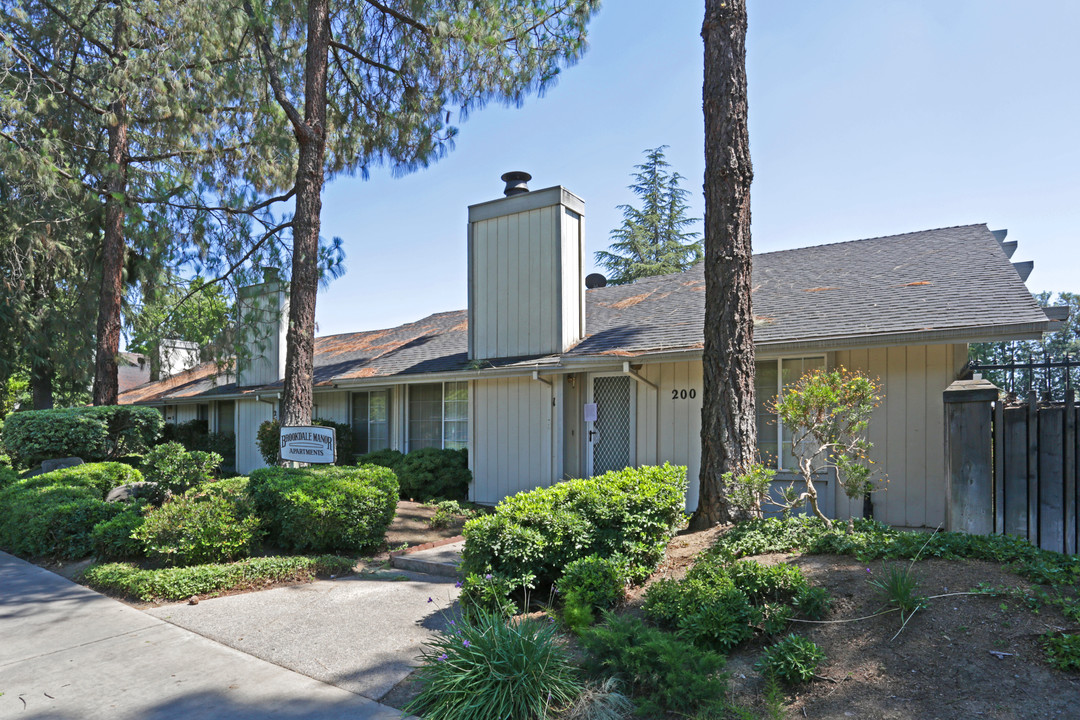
(683, 394)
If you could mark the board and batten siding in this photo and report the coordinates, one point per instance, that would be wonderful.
(185, 413)
(525, 268)
(908, 429)
(511, 438)
(250, 414)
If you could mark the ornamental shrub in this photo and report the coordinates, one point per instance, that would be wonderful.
(175, 469)
(320, 509)
(596, 581)
(112, 539)
(434, 474)
(383, 458)
(194, 528)
(794, 660)
(627, 514)
(100, 477)
(491, 668)
(268, 438)
(44, 517)
(7, 477)
(91, 433)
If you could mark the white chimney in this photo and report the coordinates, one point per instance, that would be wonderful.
(263, 321)
(526, 263)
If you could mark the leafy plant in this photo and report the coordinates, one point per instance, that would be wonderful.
(447, 510)
(665, 672)
(629, 514)
(193, 529)
(113, 539)
(813, 603)
(794, 660)
(899, 586)
(384, 458)
(746, 493)
(175, 469)
(328, 508)
(432, 473)
(181, 583)
(1063, 651)
(91, 433)
(598, 582)
(828, 413)
(490, 668)
(489, 594)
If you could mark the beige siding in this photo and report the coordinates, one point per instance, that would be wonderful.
(249, 415)
(511, 447)
(332, 406)
(185, 413)
(265, 309)
(907, 430)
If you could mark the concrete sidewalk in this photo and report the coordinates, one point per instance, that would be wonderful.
(362, 633)
(67, 652)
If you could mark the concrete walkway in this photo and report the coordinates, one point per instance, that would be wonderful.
(361, 633)
(442, 560)
(68, 653)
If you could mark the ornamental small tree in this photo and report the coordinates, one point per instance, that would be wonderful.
(828, 413)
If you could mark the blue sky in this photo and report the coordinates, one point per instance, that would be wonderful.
(866, 119)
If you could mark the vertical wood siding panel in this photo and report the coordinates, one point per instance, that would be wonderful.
(504, 427)
(547, 270)
(938, 377)
(681, 430)
(917, 435)
(536, 297)
(478, 314)
(512, 282)
(667, 418)
(879, 435)
(896, 414)
(653, 440)
(693, 460)
(491, 422)
(506, 320)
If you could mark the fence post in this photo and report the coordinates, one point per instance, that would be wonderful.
(969, 457)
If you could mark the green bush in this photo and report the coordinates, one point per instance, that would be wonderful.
(102, 477)
(598, 582)
(268, 438)
(384, 458)
(665, 672)
(51, 520)
(194, 529)
(181, 583)
(1063, 651)
(491, 668)
(628, 515)
(327, 508)
(91, 433)
(113, 539)
(431, 473)
(488, 594)
(7, 477)
(176, 469)
(794, 660)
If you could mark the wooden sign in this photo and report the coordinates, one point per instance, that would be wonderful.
(309, 443)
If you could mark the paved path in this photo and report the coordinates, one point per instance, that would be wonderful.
(68, 653)
(360, 633)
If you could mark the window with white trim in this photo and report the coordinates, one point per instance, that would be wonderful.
(371, 420)
(439, 415)
(772, 377)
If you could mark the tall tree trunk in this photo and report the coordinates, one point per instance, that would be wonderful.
(296, 400)
(106, 384)
(728, 432)
(41, 385)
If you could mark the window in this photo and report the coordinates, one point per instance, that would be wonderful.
(439, 415)
(771, 377)
(371, 420)
(226, 417)
(202, 412)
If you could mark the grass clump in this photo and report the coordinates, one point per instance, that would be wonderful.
(181, 583)
(486, 667)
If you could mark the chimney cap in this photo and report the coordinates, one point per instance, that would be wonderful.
(595, 280)
(516, 182)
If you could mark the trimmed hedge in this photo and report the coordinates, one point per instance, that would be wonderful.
(175, 469)
(194, 529)
(91, 433)
(627, 515)
(322, 509)
(383, 458)
(112, 539)
(430, 473)
(54, 514)
(181, 583)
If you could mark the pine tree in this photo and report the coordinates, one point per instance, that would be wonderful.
(653, 239)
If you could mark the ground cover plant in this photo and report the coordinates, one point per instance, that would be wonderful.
(180, 583)
(90, 433)
(324, 509)
(627, 516)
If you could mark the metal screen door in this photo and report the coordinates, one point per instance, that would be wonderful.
(609, 436)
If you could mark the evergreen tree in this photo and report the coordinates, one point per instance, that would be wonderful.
(653, 239)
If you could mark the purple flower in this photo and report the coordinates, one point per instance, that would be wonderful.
(466, 643)
(488, 576)
(457, 584)
(869, 571)
(444, 657)
(430, 600)
(453, 623)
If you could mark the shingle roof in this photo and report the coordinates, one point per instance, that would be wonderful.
(951, 280)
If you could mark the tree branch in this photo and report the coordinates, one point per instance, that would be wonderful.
(272, 76)
(401, 16)
(364, 59)
(45, 74)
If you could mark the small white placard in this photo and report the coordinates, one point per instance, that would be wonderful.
(309, 443)
(590, 412)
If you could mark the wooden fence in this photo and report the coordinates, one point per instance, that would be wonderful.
(1012, 468)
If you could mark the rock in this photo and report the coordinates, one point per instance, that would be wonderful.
(59, 463)
(132, 491)
(194, 600)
